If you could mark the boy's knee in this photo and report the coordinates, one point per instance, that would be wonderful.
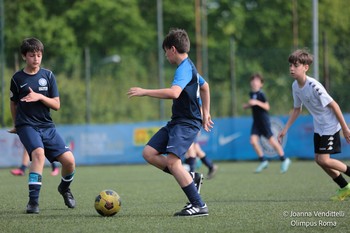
(146, 155)
(321, 162)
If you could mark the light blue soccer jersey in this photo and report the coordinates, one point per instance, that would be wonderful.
(187, 106)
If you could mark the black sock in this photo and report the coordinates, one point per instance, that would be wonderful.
(262, 159)
(166, 170)
(347, 172)
(282, 158)
(340, 181)
(66, 181)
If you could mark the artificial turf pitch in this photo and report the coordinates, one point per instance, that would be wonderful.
(238, 201)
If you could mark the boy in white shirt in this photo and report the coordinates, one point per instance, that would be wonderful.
(328, 120)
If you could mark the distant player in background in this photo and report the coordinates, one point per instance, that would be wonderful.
(20, 171)
(33, 92)
(328, 120)
(176, 137)
(195, 151)
(262, 125)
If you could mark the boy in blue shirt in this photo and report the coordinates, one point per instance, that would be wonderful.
(33, 92)
(176, 137)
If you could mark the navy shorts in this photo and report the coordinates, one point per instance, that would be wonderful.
(261, 130)
(327, 144)
(174, 138)
(46, 138)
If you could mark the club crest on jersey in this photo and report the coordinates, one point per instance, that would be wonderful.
(43, 84)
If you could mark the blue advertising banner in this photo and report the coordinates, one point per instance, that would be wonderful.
(123, 143)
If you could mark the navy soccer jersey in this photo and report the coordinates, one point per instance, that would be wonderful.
(261, 121)
(187, 106)
(35, 114)
(260, 115)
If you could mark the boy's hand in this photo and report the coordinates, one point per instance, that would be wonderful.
(281, 135)
(13, 130)
(346, 134)
(207, 123)
(135, 91)
(253, 102)
(31, 97)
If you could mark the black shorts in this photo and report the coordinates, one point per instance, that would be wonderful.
(327, 144)
(261, 130)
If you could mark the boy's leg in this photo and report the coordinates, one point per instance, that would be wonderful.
(254, 141)
(35, 180)
(278, 148)
(153, 157)
(54, 169)
(206, 161)
(67, 171)
(191, 158)
(184, 179)
(334, 168)
(25, 163)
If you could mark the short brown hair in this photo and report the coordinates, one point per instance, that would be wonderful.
(177, 38)
(31, 45)
(258, 76)
(301, 56)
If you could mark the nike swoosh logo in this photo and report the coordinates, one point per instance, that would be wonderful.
(169, 147)
(226, 140)
(21, 86)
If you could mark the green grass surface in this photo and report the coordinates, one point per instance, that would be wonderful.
(238, 201)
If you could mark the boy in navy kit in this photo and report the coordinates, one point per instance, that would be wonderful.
(176, 137)
(33, 92)
(262, 125)
(328, 120)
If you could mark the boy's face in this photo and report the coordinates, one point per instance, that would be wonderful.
(256, 84)
(298, 70)
(170, 54)
(33, 59)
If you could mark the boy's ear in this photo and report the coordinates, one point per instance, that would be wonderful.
(173, 49)
(306, 67)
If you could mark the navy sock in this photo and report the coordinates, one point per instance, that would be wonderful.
(66, 181)
(53, 165)
(34, 183)
(262, 159)
(207, 162)
(340, 181)
(282, 158)
(192, 195)
(192, 164)
(23, 167)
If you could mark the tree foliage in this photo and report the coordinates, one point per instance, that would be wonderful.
(257, 34)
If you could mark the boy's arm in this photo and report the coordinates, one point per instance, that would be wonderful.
(165, 93)
(263, 105)
(13, 109)
(205, 97)
(339, 115)
(292, 118)
(53, 103)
